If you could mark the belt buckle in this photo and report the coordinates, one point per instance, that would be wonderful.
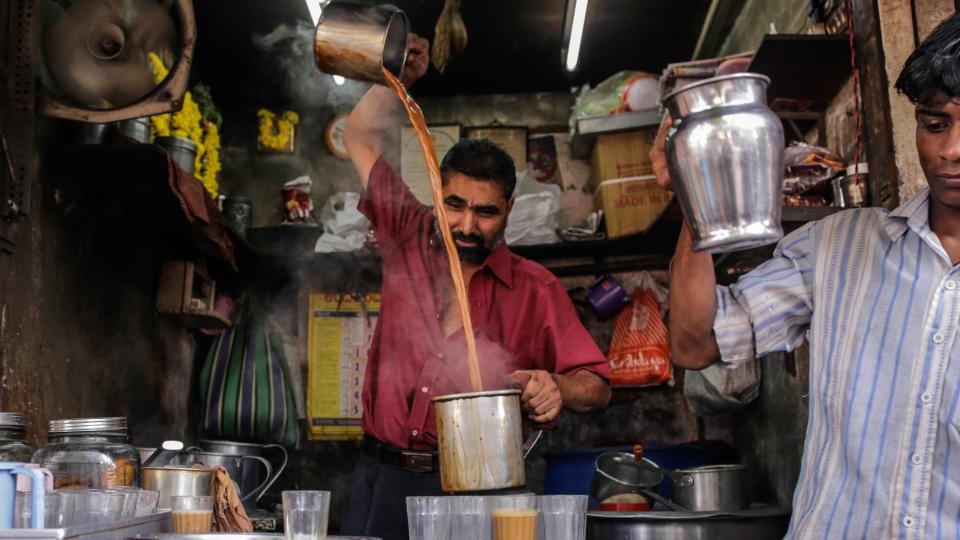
(421, 462)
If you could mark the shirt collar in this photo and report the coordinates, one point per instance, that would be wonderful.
(500, 262)
(913, 214)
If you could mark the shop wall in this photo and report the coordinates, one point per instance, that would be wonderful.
(79, 335)
(652, 416)
(756, 19)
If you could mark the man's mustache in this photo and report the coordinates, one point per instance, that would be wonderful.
(468, 238)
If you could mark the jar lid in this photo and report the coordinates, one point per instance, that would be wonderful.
(87, 425)
(13, 420)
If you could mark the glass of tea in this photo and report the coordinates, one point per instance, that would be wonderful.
(192, 514)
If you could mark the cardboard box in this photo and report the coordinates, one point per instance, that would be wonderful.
(622, 155)
(631, 205)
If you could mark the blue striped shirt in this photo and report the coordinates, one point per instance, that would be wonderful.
(878, 299)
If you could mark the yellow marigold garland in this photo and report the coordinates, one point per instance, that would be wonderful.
(187, 123)
(275, 132)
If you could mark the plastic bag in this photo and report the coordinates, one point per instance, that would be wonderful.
(344, 227)
(622, 92)
(806, 167)
(721, 390)
(536, 213)
(639, 351)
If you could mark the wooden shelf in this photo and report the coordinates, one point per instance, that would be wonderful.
(134, 183)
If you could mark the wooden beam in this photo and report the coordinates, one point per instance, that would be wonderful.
(877, 137)
(897, 30)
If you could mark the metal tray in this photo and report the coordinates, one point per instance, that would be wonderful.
(754, 524)
(144, 526)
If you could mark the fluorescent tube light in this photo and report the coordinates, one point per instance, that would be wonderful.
(576, 34)
(315, 9)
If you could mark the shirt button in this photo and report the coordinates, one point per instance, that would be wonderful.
(414, 433)
(439, 355)
(926, 397)
(916, 459)
(907, 521)
(938, 338)
(951, 285)
(424, 389)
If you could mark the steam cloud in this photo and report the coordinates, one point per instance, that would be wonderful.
(290, 48)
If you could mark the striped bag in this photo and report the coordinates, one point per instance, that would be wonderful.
(244, 385)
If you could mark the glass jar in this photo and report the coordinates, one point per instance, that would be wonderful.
(89, 453)
(13, 438)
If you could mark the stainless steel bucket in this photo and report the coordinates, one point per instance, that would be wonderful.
(174, 481)
(358, 41)
(480, 441)
(712, 488)
(726, 161)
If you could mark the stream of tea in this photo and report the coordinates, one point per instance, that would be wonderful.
(430, 155)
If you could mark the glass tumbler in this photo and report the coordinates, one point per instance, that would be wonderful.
(305, 514)
(428, 518)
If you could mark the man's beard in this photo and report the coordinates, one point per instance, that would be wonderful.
(476, 253)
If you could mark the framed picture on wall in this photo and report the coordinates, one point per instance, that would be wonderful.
(513, 139)
(413, 168)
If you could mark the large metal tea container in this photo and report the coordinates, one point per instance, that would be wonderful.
(251, 470)
(358, 41)
(13, 438)
(89, 453)
(480, 441)
(234, 466)
(178, 481)
(726, 162)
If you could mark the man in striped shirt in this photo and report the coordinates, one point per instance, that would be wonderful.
(877, 295)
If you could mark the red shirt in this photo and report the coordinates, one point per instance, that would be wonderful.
(522, 319)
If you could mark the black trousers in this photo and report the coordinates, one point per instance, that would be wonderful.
(377, 504)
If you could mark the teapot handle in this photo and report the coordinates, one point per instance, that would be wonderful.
(265, 484)
(283, 465)
(531, 441)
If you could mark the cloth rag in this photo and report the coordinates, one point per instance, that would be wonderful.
(228, 512)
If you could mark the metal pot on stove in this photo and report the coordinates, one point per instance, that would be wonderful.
(711, 488)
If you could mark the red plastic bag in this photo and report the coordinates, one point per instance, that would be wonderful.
(639, 351)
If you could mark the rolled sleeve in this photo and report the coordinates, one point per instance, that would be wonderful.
(388, 203)
(769, 309)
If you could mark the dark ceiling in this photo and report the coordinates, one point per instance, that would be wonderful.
(514, 45)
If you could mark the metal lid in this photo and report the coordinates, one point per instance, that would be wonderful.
(468, 395)
(87, 425)
(13, 420)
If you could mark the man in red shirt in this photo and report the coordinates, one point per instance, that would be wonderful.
(527, 331)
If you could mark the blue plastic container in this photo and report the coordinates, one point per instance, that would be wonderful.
(570, 471)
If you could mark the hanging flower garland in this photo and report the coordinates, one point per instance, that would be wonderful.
(276, 133)
(189, 123)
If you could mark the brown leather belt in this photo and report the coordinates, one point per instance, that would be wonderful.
(408, 460)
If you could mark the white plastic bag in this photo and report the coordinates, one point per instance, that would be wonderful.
(720, 390)
(535, 215)
(344, 227)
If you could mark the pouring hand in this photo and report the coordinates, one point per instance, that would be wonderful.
(658, 154)
(418, 58)
(540, 395)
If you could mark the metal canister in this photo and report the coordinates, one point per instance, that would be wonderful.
(358, 41)
(480, 441)
(726, 162)
(712, 488)
(177, 481)
(183, 151)
(237, 214)
(138, 129)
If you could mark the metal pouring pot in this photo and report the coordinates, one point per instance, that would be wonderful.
(251, 469)
(726, 162)
(358, 41)
(480, 441)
